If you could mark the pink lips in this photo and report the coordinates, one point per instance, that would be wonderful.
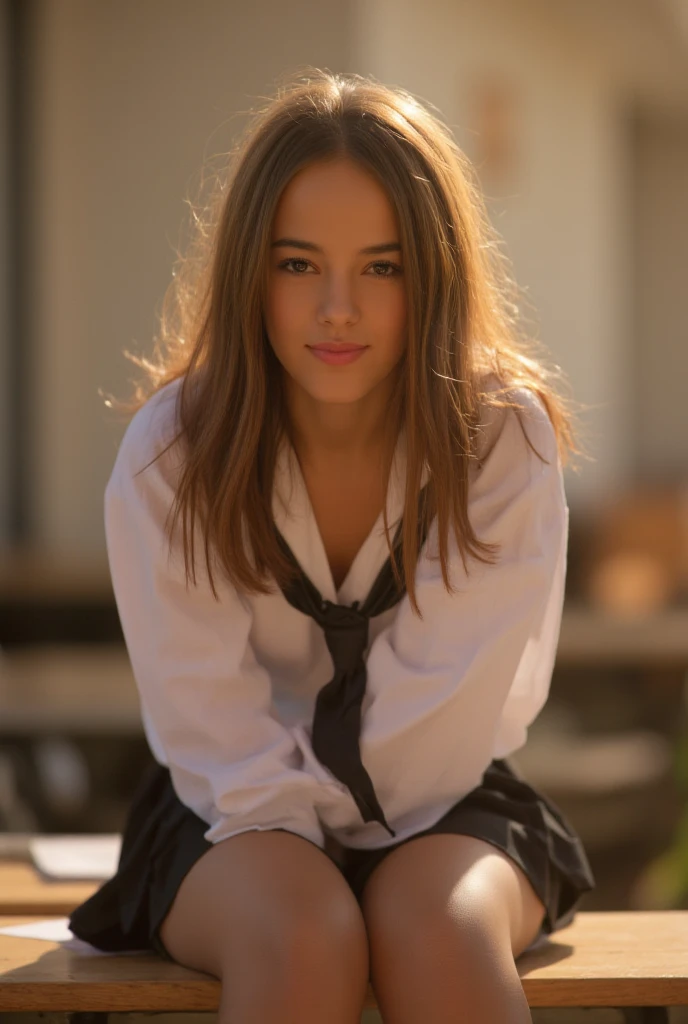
(337, 353)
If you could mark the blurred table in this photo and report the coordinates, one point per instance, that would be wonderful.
(50, 600)
(91, 688)
(76, 689)
(23, 890)
(36, 575)
(590, 637)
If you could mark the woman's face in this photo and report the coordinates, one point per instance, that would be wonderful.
(336, 278)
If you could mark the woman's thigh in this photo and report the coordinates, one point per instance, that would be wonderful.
(260, 904)
(457, 884)
(446, 917)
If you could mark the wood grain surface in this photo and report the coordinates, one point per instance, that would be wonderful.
(602, 959)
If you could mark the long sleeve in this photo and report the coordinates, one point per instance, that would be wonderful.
(206, 702)
(448, 694)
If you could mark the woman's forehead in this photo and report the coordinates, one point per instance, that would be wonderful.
(335, 200)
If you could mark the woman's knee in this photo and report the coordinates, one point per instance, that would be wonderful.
(267, 903)
(468, 898)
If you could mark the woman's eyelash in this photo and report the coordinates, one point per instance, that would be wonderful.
(386, 263)
(285, 264)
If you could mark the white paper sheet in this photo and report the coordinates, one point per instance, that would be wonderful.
(57, 930)
(77, 857)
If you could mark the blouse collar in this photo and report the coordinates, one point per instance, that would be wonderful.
(294, 517)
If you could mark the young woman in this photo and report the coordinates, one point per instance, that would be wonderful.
(337, 534)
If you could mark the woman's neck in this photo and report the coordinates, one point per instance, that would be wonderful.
(339, 434)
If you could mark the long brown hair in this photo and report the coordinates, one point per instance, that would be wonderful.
(463, 326)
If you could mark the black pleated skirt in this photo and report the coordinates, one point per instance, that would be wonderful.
(163, 839)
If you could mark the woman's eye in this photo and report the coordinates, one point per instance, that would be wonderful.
(381, 268)
(387, 268)
(291, 263)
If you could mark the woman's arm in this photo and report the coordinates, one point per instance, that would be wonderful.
(448, 694)
(206, 702)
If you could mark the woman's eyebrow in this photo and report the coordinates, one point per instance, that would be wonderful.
(298, 243)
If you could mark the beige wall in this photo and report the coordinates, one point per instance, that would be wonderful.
(6, 439)
(661, 277)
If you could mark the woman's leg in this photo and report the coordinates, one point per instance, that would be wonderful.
(272, 917)
(446, 916)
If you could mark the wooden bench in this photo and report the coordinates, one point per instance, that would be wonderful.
(637, 962)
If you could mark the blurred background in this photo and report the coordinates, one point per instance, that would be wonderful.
(575, 114)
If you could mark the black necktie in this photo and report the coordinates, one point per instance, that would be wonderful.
(337, 719)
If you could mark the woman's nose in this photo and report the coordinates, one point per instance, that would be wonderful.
(338, 304)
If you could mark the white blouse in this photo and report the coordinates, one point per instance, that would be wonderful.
(228, 687)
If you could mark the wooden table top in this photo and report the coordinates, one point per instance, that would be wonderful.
(23, 890)
(602, 959)
(40, 975)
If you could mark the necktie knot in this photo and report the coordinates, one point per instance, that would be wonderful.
(343, 616)
(346, 635)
